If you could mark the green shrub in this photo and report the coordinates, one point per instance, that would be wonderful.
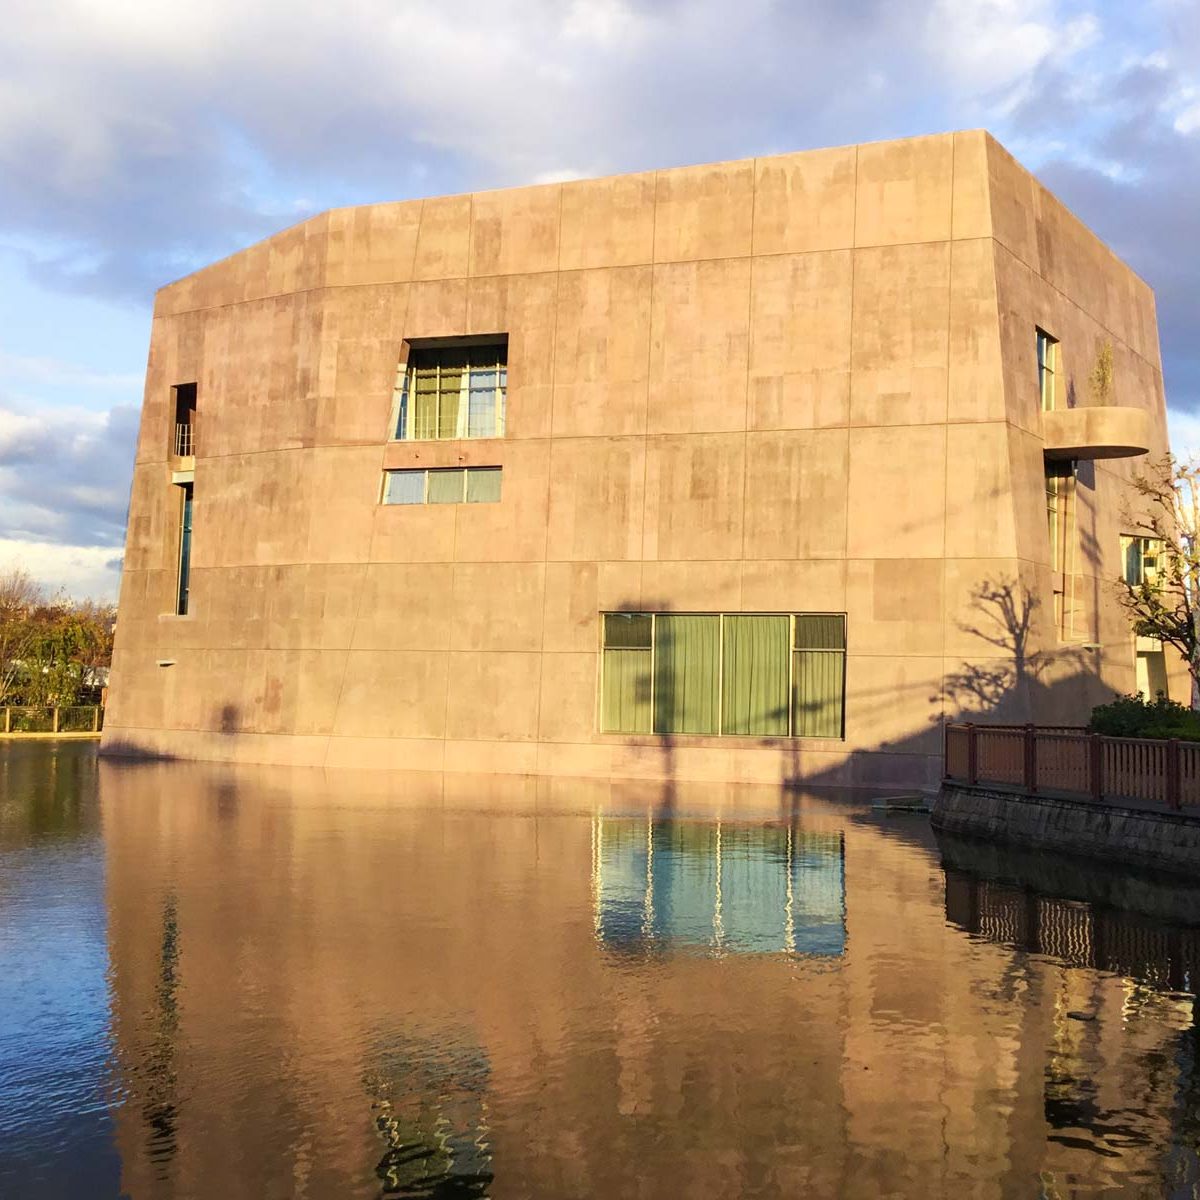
(1134, 716)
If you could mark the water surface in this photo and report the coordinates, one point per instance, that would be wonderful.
(271, 983)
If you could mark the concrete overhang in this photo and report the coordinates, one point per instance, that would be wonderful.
(1111, 431)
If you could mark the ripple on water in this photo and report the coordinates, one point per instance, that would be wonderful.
(260, 983)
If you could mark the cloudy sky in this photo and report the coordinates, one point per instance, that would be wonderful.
(140, 140)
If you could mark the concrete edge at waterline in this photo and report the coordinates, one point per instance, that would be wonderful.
(1144, 837)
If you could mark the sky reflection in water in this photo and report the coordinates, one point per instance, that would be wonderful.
(273, 983)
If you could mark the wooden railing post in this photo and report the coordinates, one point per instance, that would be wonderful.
(8, 718)
(96, 719)
(972, 755)
(54, 720)
(1174, 772)
(1030, 758)
(1096, 761)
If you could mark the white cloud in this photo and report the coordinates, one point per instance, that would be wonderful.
(1184, 431)
(83, 572)
(1188, 121)
(64, 474)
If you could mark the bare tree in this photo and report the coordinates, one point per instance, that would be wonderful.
(1163, 602)
(20, 596)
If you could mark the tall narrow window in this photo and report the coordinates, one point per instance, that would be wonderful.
(741, 674)
(1047, 355)
(185, 550)
(754, 695)
(686, 673)
(1058, 480)
(1060, 477)
(454, 388)
(1140, 557)
(183, 438)
(819, 676)
(628, 666)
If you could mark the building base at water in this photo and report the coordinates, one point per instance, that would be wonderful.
(1143, 836)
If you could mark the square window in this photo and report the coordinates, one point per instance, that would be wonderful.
(446, 487)
(404, 487)
(483, 485)
(452, 388)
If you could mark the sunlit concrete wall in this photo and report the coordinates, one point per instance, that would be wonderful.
(800, 383)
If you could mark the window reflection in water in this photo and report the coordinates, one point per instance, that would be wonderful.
(430, 1112)
(723, 886)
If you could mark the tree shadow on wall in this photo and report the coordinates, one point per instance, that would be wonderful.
(1010, 680)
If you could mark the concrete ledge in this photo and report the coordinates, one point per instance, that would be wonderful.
(1109, 431)
(1163, 840)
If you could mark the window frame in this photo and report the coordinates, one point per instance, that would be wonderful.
(183, 560)
(405, 387)
(793, 650)
(1148, 548)
(1047, 361)
(426, 472)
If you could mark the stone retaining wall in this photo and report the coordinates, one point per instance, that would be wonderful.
(1165, 840)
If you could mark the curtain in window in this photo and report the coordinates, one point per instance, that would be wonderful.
(819, 685)
(818, 676)
(686, 662)
(423, 402)
(452, 386)
(445, 487)
(625, 704)
(405, 487)
(483, 485)
(755, 677)
(482, 402)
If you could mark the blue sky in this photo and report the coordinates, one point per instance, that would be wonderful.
(139, 141)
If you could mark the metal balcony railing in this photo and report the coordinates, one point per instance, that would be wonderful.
(185, 440)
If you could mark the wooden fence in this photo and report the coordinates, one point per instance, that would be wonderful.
(79, 718)
(1069, 760)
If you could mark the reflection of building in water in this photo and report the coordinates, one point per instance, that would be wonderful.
(731, 887)
(385, 982)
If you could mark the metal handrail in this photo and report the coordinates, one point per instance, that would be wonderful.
(185, 439)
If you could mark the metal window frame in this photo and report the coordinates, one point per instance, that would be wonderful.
(405, 391)
(183, 590)
(425, 473)
(1047, 368)
(793, 650)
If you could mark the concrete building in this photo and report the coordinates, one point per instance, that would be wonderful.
(753, 471)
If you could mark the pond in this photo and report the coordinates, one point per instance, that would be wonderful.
(254, 982)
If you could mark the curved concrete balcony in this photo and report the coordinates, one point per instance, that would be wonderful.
(1111, 431)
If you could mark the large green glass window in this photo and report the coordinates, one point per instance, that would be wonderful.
(754, 696)
(687, 667)
(742, 674)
